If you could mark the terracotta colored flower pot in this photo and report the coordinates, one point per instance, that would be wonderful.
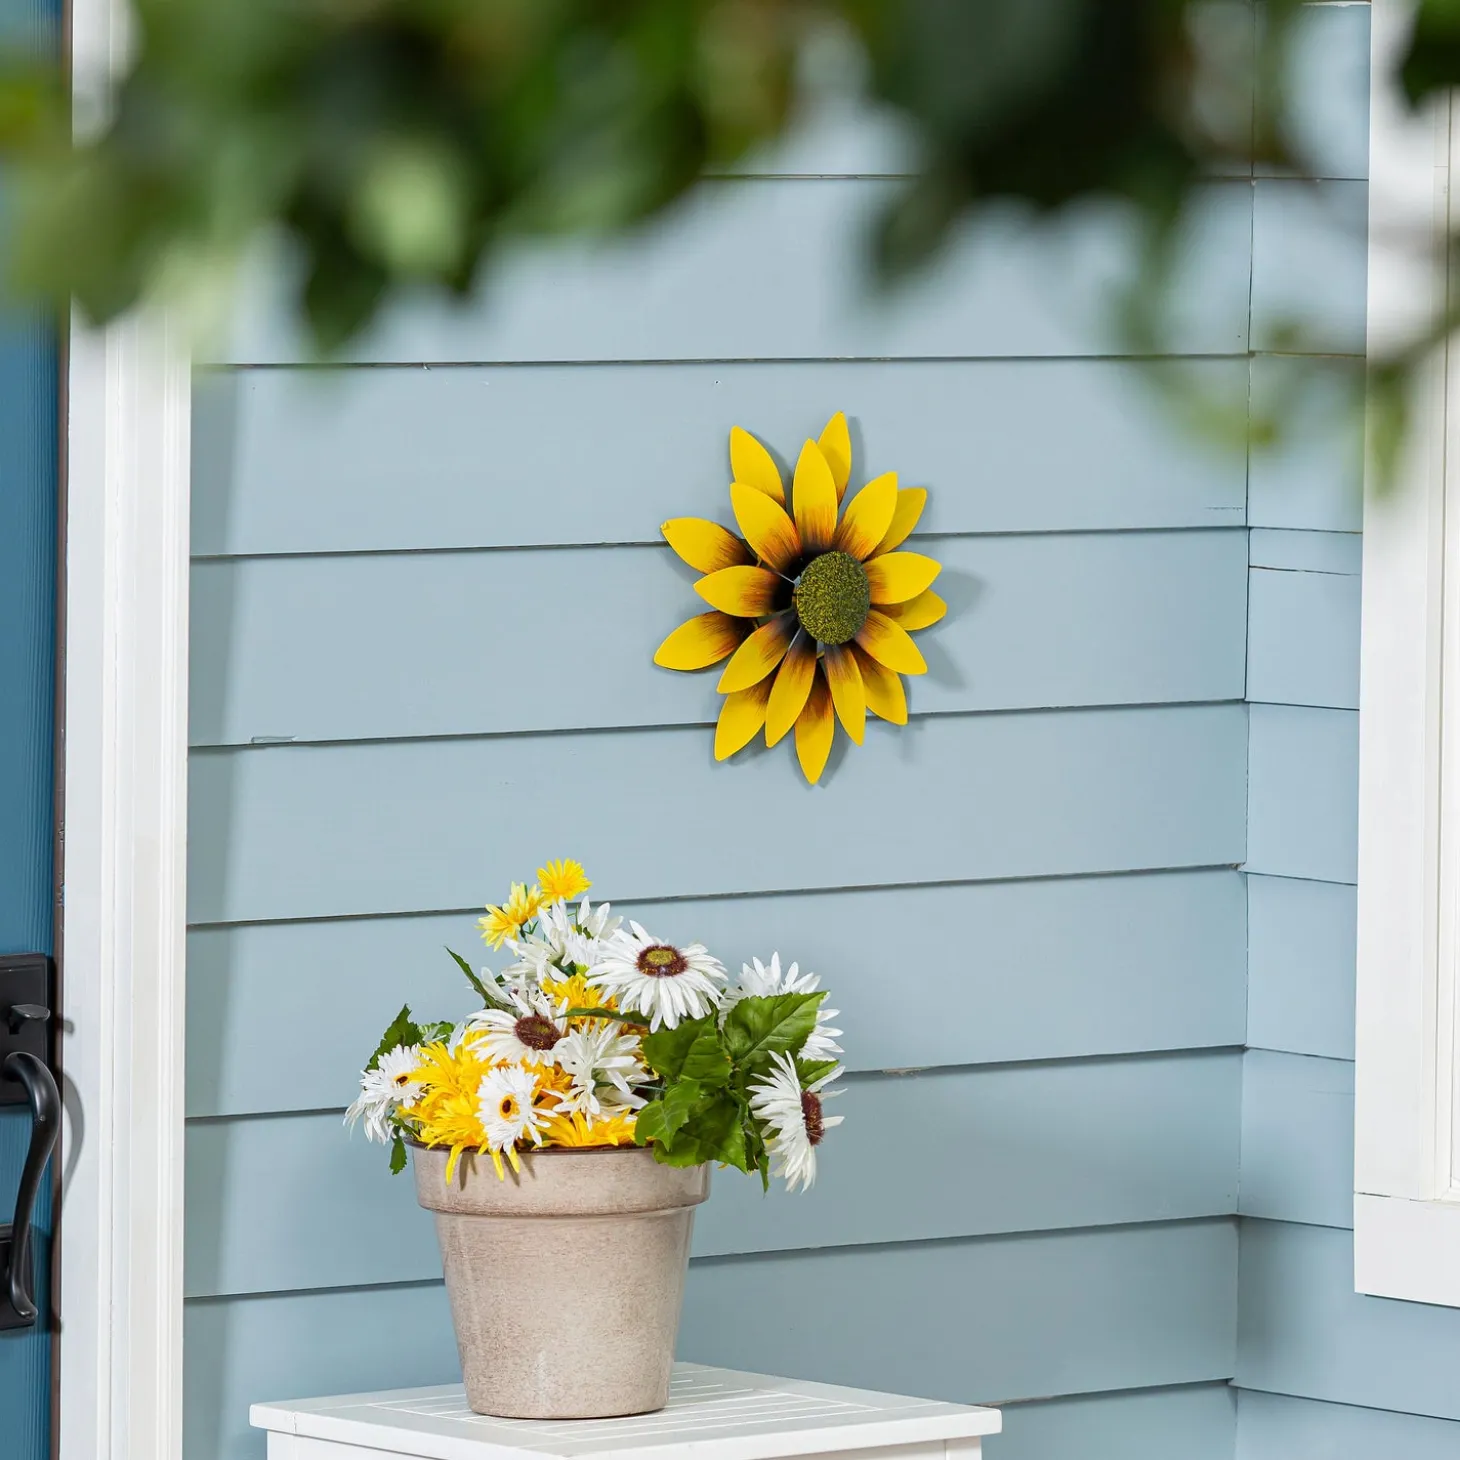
(566, 1280)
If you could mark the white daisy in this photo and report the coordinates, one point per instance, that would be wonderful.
(795, 1118)
(563, 939)
(386, 1089)
(656, 979)
(505, 1102)
(528, 1033)
(604, 1071)
(761, 981)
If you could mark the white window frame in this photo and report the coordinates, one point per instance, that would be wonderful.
(1407, 1076)
(123, 860)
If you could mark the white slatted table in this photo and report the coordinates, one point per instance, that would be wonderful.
(713, 1414)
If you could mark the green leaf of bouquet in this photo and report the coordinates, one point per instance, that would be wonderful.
(714, 1132)
(403, 1030)
(397, 1156)
(592, 1011)
(759, 1025)
(691, 1051)
(680, 1102)
(662, 1118)
(487, 996)
(719, 1132)
(678, 1153)
(811, 1071)
(757, 1156)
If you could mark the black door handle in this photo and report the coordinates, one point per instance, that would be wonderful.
(17, 1271)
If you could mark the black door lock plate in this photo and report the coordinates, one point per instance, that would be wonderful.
(27, 997)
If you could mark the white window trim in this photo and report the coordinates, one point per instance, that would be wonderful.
(1407, 1076)
(124, 838)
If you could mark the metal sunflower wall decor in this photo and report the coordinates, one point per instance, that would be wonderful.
(814, 614)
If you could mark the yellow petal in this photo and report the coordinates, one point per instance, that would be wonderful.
(889, 644)
(790, 687)
(815, 729)
(752, 464)
(701, 642)
(886, 697)
(746, 592)
(814, 500)
(705, 546)
(741, 717)
(836, 447)
(896, 577)
(766, 527)
(759, 654)
(844, 679)
(868, 516)
(917, 613)
(910, 504)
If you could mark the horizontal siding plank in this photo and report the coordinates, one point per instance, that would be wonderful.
(1189, 1423)
(1305, 1332)
(1311, 476)
(996, 1319)
(285, 831)
(1303, 793)
(1307, 552)
(293, 1202)
(288, 461)
(1278, 1427)
(1297, 1138)
(1326, 90)
(774, 269)
(1309, 266)
(1056, 969)
(1301, 962)
(393, 646)
(1303, 639)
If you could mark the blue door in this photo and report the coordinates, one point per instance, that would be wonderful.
(28, 526)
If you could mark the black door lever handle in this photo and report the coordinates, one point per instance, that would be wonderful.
(20, 1013)
(17, 1272)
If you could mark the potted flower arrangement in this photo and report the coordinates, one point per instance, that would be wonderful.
(563, 1134)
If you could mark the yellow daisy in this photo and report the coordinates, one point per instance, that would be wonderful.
(579, 1130)
(814, 608)
(577, 993)
(508, 920)
(563, 881)
(448, 1111)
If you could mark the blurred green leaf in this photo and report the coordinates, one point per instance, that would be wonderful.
(391, 143)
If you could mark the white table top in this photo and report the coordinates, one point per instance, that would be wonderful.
(717, 1414)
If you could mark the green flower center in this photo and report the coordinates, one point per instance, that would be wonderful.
(832, 598)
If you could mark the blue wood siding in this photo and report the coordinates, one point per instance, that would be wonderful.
(1135, 697)
(1300, 992)
(1322, 1372)
(1049, 1145)
(387, 645)
(1278, 1427)
(476, 457)
(1065, 968)
(1305, 1332)
(1099, 1310)
(775, 268)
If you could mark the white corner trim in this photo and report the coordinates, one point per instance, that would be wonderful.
(123, 857)
(124, 870)
(1407, 1076)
